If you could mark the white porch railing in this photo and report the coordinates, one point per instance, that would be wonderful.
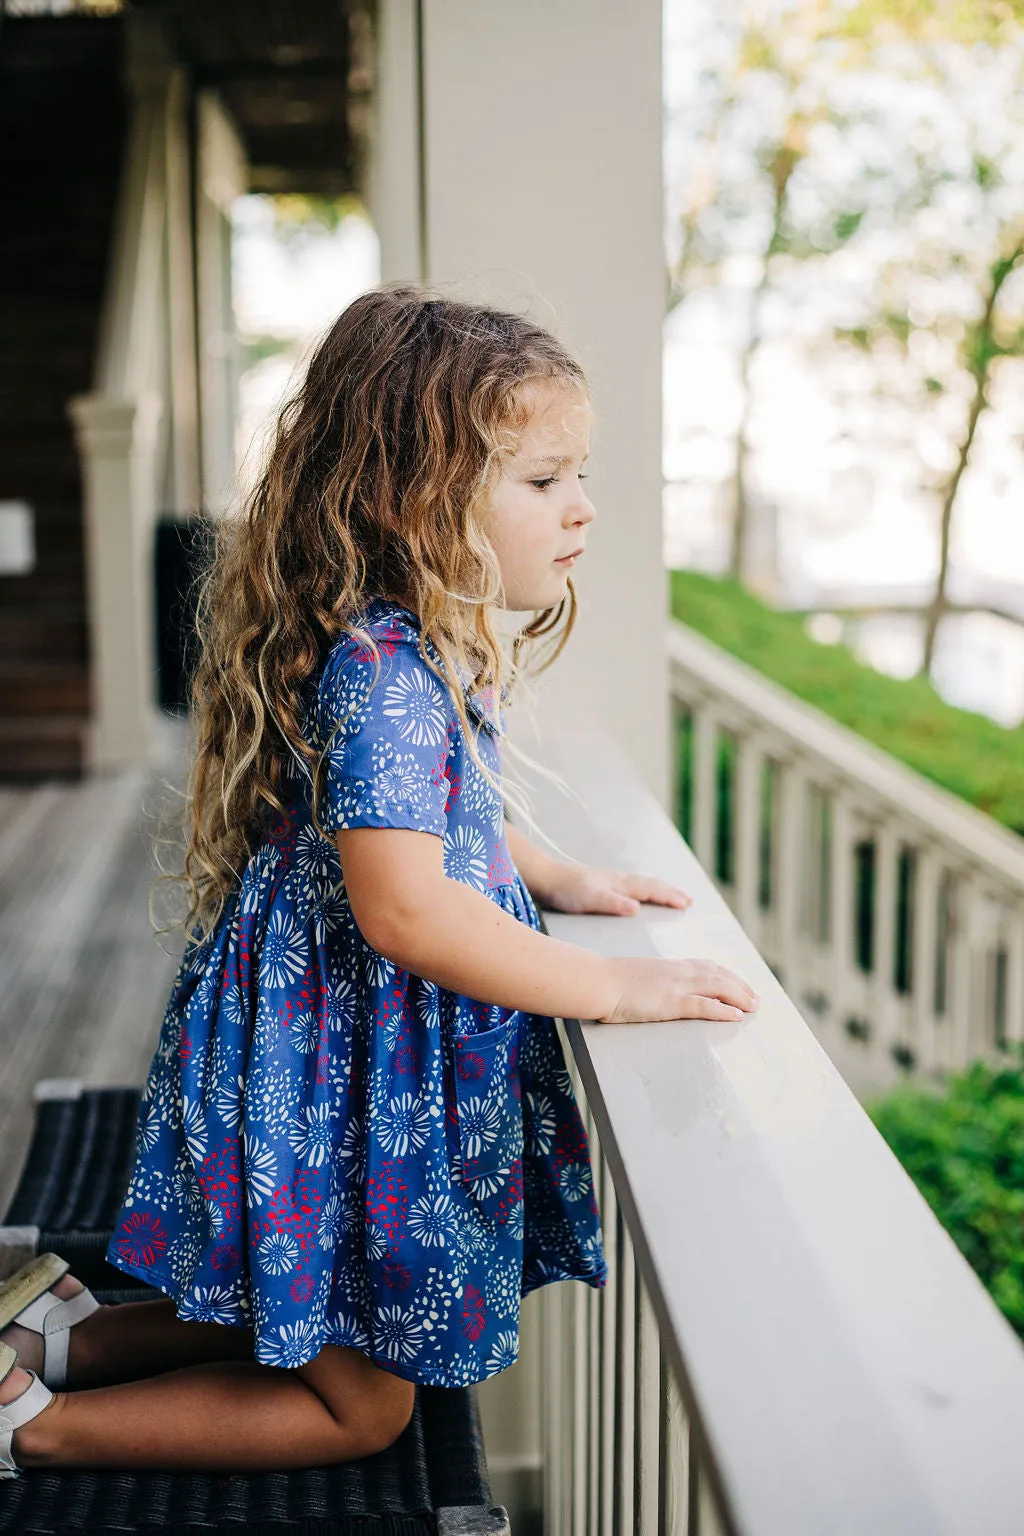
(892, 911)
(789, 1343)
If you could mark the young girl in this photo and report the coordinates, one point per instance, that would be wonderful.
(358, 1145)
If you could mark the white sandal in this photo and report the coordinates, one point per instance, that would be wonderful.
(14, 1415)
(26, 1299)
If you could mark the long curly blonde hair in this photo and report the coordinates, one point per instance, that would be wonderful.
(375, 484)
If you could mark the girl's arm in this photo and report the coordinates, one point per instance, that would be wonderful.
(538, 869)
(408, 910)
(579, 888)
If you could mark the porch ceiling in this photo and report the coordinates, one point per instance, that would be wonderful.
(295, 76)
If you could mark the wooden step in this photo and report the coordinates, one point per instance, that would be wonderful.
(34, 688)
(33, 747)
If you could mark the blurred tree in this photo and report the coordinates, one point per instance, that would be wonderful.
(760, 197)
(949, 306)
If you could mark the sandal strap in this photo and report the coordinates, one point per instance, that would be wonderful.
(14, 1415)
(57, 1325)
(29, 1282)
(53, 1317)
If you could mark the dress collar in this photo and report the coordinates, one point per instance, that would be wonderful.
(479, 705)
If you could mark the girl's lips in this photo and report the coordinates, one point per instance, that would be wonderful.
(569, 559)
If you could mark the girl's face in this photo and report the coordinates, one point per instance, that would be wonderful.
(538, 513)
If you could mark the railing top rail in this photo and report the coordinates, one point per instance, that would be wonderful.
(939, 816)
(847, 1369)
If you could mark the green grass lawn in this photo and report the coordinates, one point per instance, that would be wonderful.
(966, 753)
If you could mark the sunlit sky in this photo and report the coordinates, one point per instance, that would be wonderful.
(840, 474)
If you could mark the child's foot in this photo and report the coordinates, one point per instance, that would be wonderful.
(28, 1344)
(24, 1405)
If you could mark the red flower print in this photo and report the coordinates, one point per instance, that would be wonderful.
(224, 1257)
(142, 1240)
(301, 1288)
(396, 1275)
(471, 1065)
(474, 1313)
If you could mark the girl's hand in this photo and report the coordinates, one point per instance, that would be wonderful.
(575, 889)
(651, 990)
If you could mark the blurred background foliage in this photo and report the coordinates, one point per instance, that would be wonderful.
(964, 1149)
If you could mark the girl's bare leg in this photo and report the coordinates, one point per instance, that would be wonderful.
(230, 1417)
(133, 1340)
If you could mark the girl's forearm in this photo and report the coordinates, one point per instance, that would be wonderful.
(538, 869)
(462, 941)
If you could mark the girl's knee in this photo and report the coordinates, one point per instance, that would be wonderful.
(370, 1407)
(385, 1416)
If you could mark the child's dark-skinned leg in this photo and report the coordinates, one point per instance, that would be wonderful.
(137, 1339)
(226, 1417)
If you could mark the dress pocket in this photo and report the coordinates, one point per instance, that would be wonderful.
(487, 1101)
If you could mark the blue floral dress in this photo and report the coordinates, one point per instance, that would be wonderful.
(330, 1149)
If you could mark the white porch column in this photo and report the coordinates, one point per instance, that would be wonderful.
(518, 161)
(116, 444)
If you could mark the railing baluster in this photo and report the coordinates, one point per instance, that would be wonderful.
(608, 1354)
(625, 1394)
(749, 762)
(841, 911)
(789, 866)
(1014, 974)
(648, 1401)
(674, 1518)
(965, 992)
(923, 942)
(705, 785)
(884, 938)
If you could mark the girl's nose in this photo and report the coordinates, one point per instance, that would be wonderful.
(582, 510)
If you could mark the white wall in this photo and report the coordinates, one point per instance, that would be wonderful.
(541, 172)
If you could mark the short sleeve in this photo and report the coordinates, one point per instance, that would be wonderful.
(387, 740)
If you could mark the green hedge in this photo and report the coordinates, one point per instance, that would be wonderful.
(965, 1153)
(966, 753)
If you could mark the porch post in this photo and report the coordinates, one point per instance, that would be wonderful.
(518, 160)
(116, 445)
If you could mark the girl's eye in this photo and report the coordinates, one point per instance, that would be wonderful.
(542, 485)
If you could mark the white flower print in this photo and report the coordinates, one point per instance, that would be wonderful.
(574, 1181)
(515, 1225)
(397, 1334)
(285, 951)
(295, 1343)
(277, 1252)
(479, 1124)
(430, 1220)
(304, 1032)
(341, 1005)
(329, 1225)
(315, 858)
(414, 699)
(376, 1242)
(539, 1124)
(329, 914)
(465, 856)
(260, 1170)
(379, 970)
(503, 1352)
(353, 1145)
(194, 1127)
(402, 1127)
(149, 1131)
(230, 1101)
(310, 1133)
(212, 1304)
(350, 1332)
(397, 778)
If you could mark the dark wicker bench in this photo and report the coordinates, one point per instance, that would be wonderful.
(432, 1480)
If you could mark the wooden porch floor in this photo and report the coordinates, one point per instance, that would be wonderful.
(83, 979)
